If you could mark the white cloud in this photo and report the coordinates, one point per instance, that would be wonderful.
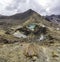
(9, 7)
(51, 6)
(4, 3)
(13, 6)
(37, 7)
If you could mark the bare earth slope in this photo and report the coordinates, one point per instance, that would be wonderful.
(30, 49)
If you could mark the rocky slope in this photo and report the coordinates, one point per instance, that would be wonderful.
(41, 45)
(53, 18)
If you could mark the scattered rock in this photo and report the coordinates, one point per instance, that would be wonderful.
(19, 35)
(31, 51)
(34, 58)
(42, 37)
(54, 55)
(57, 29)
(3, 60)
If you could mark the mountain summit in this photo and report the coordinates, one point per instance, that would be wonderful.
(19, 15)
(29, 16)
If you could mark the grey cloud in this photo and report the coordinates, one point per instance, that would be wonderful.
(13, 5)
(37, 7)
(55, 7)
(18, 6)
(55, 10)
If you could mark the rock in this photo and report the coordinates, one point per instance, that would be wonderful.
(42, 37)
(19, 35)
(31, 51)
(54, 55)
(34, 58)
(3, 60)
(57, 29)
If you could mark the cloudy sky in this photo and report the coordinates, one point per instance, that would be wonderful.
(43, 7)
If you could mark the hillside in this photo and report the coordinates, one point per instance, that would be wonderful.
(29, 37)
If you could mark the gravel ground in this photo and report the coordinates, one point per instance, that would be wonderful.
(24, 52)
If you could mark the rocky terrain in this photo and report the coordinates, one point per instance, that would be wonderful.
(53, 18)
(29, 37)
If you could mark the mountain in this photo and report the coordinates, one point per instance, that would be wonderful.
(18, 15)
(41, 42)
(17, 18)
(53, 18)
(21, 16)
(29, 16)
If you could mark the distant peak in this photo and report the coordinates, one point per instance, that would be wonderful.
(30, 11)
